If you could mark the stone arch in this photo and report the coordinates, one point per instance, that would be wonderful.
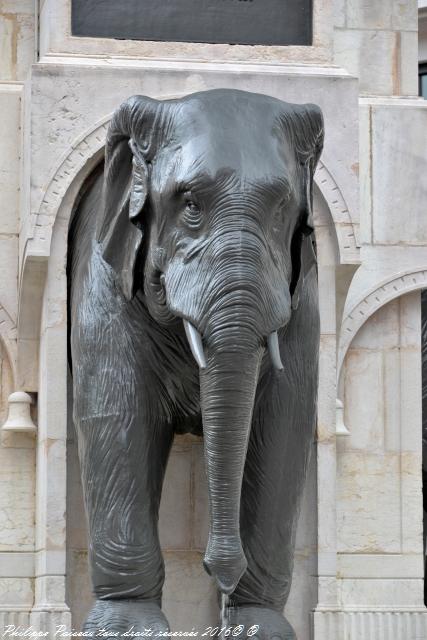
(383, 292)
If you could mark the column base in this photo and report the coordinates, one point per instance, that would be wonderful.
(50, 621)
(370, 624)
(13, 617)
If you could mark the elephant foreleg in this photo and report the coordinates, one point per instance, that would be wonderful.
(123, 462)
(123, 451)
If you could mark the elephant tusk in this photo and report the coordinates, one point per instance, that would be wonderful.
(273, 348)
(195, 341)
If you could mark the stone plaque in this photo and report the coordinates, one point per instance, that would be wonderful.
(266, 22)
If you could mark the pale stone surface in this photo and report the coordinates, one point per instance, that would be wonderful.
(408, 63)
(10, 108)
(9, 271)
(379, 488)
(355, 565)
(17, 475)
(361, 408)
(303, 596)
(79, 591)
(369, 55)
(405, 14)
(370, 14)
(16, 591)
(368, 510)
(16, 39)
(189, 599)
(382, 14)
(5, 383)
(16, 564)
(377, 42)
(339, 13)
(7, 27)
(401, 185)
(175, 508)
(365, 170)
(201, 501)
(393, 593)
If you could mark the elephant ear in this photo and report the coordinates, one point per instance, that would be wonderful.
(121, 223)
(305, 131)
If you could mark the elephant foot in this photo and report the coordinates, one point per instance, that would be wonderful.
(120, 616)
(261, 623)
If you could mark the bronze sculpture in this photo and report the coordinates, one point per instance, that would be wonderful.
(192, 279)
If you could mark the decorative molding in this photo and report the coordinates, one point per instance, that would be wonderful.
(345, 228)
(394, 623)
(387, 290)
(85, 152)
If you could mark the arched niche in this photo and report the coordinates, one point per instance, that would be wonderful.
(374, 297)
(45, 331)
(379, 381)
(379, 499)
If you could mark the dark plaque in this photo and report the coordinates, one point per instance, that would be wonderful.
(268, 22)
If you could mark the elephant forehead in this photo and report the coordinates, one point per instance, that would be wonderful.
(253, 153)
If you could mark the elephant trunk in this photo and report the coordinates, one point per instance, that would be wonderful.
(228, 385)
(233, 298)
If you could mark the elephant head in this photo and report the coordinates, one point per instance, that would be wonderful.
(207, 209)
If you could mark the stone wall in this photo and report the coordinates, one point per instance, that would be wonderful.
(377, 41)
(17, 37)
(17, 452)
(379, 520)
(358, 572)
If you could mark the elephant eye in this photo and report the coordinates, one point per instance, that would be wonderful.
(192, 215)
(279, 213)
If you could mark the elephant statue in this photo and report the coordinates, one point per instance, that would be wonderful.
(193, 308)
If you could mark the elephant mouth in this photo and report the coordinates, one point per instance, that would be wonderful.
(196, 346)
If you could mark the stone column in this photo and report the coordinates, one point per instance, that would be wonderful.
(49, 607)
(326, 442)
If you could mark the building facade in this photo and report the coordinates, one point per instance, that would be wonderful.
(359, 561)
